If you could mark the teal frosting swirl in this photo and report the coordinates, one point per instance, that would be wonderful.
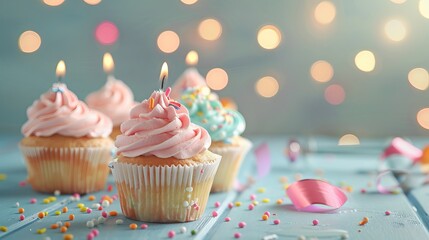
(207, 111)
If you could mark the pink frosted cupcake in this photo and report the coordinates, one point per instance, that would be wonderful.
(115, 99)
(164, 171)
(66, 145)
(191, 78)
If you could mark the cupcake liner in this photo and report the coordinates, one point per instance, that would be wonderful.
(232, 157)
(164, 193)
(69, 170)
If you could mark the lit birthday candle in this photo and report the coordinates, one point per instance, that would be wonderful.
(60, 72)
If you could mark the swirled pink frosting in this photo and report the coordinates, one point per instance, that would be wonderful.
(115, 99)
(191, 78)
(59, 111)
(162, 130)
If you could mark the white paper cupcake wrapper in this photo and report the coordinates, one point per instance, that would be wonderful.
(232, 157)
(69, 170)
(164, 193)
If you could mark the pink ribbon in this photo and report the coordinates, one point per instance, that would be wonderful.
(308, 192)
(387, 190)
(399, 146)
(263, 160)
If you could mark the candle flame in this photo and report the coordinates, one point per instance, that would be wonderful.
(192, 58)
(61, 69)
(164, 72)
(108, 63)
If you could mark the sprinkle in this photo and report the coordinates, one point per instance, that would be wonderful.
(315, 222)
(113, 213)
(88, 210)
(255, 203)
(279, 201)
(363, 190)
(104, 214)
(265, 217)
(230, 205)
(119, 221)
(267, 213)
(67, 224)
(41, 215)
(241, 224)
(21, 217)
(183, 229)
(83, 209)
(387, 213)
(2, 176)
(227, 219)
(237, 204)
(252, 197)
(193, 232)
(214, 214)
(144, 226)
(100, 208)
(57, 213)
(21, 210)
(3, 228)
(90, 224)
(54, 226)
(59, 224)
(21, 183)
(17, 204)
(46, 213)
(91, 198)
(57, 193)
(171, 234)
(80, 205)
(301, 237)
(52, 199)
(68, 236)
(217, 204)
(65, 209)
(276, 222)
(33, 200)
(283, 179)
(105, 203)
(46, 201)
(41, 230)
(90, 236)
(364, 221)
(95, 205)
(151, 103)
(76, 196)
(95, 232)
(261, 190)
(133, 226)
(266, 200)
(237, 235)
(101, 219)
(251, 206)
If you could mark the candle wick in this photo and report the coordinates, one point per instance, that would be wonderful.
(162, 83)
(59, 79)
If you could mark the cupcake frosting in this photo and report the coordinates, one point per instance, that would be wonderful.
(207, 111)
(191, 78)
(115, 100)
(161, 127)
(59, 111)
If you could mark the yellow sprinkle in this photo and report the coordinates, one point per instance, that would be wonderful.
(80, 205)
(396, 191)
(255, 202)
(83, 209)
(3, 228)
(200, 114)
(2, 176)
(41, 231)
(349, 189)
(46, 213)
(286, 186)
(46, 201)
(151, 103)
(261, 190)
(283, 179)
(266, 200)
(237, 204)
(279, 201)
(57, 213)
(52, 199)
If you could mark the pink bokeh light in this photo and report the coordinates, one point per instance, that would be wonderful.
(335, 94)
(106, 33)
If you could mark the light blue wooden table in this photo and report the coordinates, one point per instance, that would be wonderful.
(354, 167)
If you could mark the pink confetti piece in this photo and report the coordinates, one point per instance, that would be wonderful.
(399, 146)
(305, 193)
(390, 189)
(263, 160)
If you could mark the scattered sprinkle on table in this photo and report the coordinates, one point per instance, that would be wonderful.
(217, 204)
(230, 205)
(241, 224)
(237, 204)
(89, 224)
(113, 213)
(264, 217)
(387, 213)
(276, 221)
(144, 226)
(3, 228)
(65, 209)
(315, 222)
(252, 197)
(67, 224)
(183, 229)
(364, 221)
(41, 231)
(41, 215)
(237, 235)
(91, 198)
(193, 232)
(261, 190)
(68, 236)
(279, 201)
(21, 210)
(133, 226)
(71, 217)
(21, 217)
(214, 214)
(227, 219)
(119, 221)
(266, 200)
(267, 213)
(33, 200)
(171, 234)
(251, 206)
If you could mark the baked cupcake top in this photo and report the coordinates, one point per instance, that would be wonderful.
(207, 111)
(115, 99)
(161, 127)
(191, 78)
(59, 111)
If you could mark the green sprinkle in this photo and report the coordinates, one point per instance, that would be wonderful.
(193, 232)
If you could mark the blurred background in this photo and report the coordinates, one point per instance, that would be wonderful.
(292, 67)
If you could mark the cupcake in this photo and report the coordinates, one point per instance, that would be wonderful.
(191, 78)
(224, 127)
(115, 99)
(66, 145)
(163, 171)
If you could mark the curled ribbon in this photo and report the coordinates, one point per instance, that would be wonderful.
(307, 192)
(399, 146)
(394, 189)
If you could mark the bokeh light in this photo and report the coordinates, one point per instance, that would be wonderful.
(424, 8)
(423, 118)
(106, 33)
(267, 87)
(168, 41)
(395, 30)
(335, 94)
(398, 1)
(217, 79)
(92, 2)
(269, 37)
(365, 61)
(192, 58)
(189, 2)
(419, 78)
(210, 29)
(53, 3)
(348, 140)
(29, 41)
(325, 12)
(322, 71)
